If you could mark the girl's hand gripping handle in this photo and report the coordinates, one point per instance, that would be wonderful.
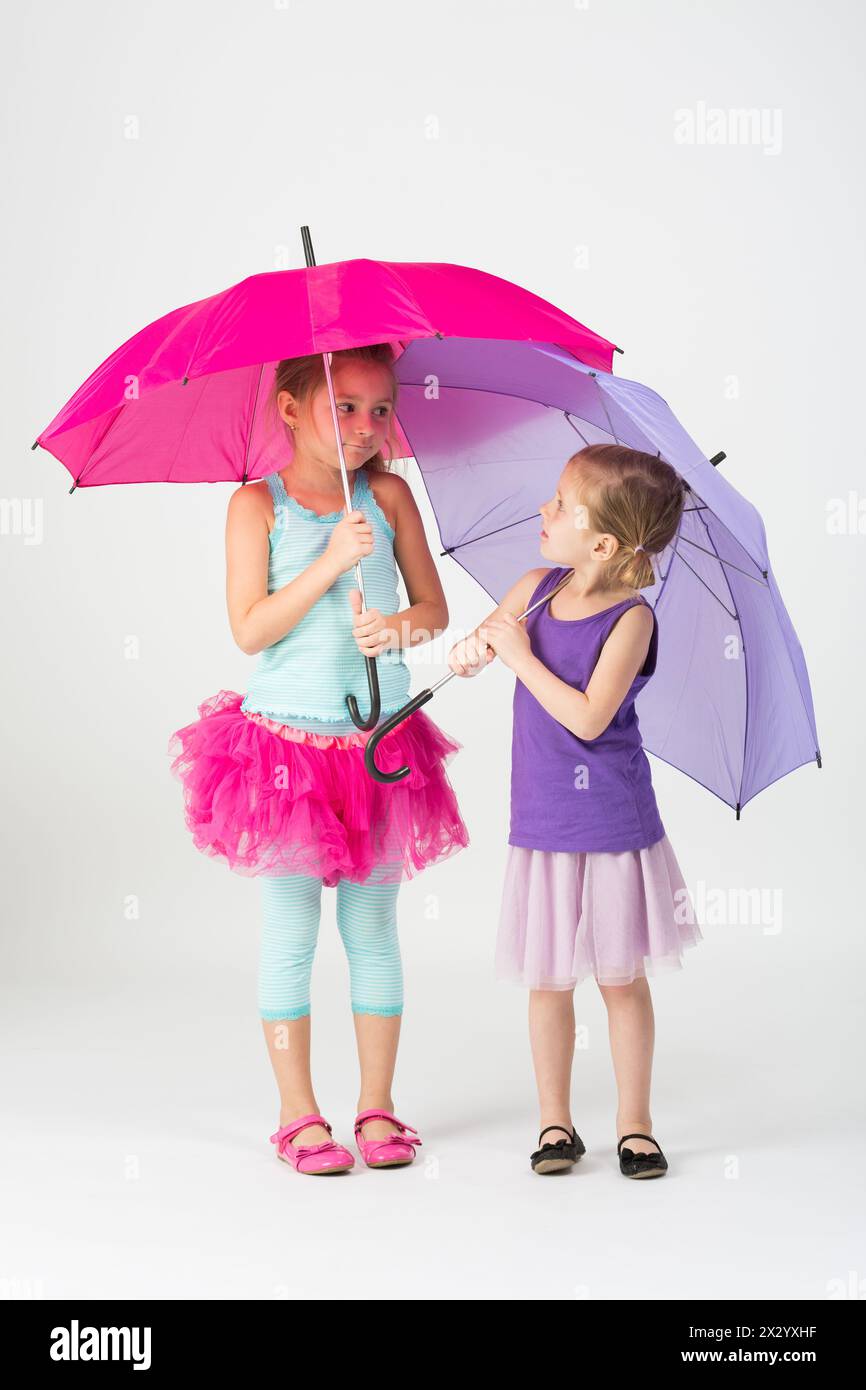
(350, 540)
(470, 655)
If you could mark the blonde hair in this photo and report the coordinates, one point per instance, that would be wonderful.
(302, 376)
(634, 497)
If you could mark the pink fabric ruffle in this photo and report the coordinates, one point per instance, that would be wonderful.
(269, 804)
(308, 736)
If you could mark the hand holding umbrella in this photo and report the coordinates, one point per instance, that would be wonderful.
(505, 638)
(468, 653)
(368, 627)
(469, 656)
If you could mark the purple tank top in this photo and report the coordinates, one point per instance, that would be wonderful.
(567, 794)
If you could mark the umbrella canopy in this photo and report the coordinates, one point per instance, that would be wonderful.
(730, 702)
(184, 400)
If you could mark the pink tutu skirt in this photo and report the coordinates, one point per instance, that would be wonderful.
(568, 915)
(272, 800)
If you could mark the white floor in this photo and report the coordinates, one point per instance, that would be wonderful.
(136, 1160)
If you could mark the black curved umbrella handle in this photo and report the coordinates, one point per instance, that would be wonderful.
(389, 724)
(419, 700)
(375, 699)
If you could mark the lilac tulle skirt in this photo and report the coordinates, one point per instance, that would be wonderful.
(272, 800)
(569, 915)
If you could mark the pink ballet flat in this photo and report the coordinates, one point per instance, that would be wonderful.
(395, 1151)
(329, 1157)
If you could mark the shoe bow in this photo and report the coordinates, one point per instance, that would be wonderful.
(394, 1138)
(317, 1148)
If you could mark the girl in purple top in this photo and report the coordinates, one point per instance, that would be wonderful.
(592, 885)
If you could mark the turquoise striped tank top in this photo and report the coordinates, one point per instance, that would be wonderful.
(304, 678)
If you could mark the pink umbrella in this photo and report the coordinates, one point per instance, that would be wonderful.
(180, 402)
(183, 401)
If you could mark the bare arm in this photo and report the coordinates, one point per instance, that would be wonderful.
(427, 613)
(257, 618)
(472, 654)
(585, 713)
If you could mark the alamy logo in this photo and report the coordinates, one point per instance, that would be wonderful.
(714, 125)
(75, 1343)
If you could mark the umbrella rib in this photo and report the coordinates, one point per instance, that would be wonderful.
(685, 538)
(484, 515)
(487, 391)
(204, 324)
(718, 557)
(581, 435)
(740, 804)
(204, 386)
(745, 671)
(112, 422)
(252, 423)
(449, 549)
(604, 407)
(697, 780)
(705, 584)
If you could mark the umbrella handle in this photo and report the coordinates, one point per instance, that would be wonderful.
(389, 724)
(375, 699)
(425, 695)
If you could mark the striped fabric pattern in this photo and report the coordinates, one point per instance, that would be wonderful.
(304, 678)
(367, 923)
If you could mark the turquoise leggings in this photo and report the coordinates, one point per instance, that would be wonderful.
(367, 922)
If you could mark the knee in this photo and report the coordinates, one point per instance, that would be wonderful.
(367, 921)
(614, 994)
(291, 912)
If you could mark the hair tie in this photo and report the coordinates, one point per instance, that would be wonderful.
(637, 548)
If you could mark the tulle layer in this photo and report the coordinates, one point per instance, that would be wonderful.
(615, 916)
(271, 805)
(307, 736)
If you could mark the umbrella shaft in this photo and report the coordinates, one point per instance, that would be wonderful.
(326, 358)
(525, 614)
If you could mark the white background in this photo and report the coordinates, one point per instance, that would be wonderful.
(536, 142)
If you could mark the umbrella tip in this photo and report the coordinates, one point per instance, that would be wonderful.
(34, 446)
(185, 380)
(818, 757)
(738, 810)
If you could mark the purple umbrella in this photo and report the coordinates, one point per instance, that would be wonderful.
(730, 703)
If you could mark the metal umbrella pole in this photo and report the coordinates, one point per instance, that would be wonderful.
(425, 695)
(372, 671)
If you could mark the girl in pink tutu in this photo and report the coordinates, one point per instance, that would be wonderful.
(274, 782)
(592, 886)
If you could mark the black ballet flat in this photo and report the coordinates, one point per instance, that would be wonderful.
(553, 1158)
(640, 1165)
